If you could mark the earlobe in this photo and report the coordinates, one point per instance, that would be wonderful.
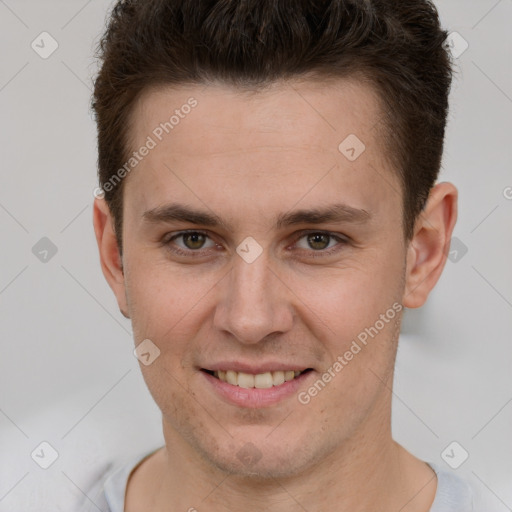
(427, 250)
(110, 260)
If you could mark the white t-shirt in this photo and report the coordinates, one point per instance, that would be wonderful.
(453, 493)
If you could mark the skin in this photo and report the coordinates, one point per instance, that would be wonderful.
(248, 157)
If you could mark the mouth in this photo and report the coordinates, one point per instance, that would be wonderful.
(259, 381)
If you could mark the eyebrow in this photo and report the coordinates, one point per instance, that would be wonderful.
(336, 213)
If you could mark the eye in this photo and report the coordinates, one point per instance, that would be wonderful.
(193, 242)
(320, 242)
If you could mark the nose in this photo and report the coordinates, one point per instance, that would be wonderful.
(255, 302)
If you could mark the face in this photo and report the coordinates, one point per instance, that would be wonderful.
(294, 257)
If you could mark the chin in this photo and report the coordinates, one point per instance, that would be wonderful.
(260, 460)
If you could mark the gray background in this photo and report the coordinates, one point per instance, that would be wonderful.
(67, 372)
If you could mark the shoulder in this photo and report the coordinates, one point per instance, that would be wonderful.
(107, 487)
(453, 492)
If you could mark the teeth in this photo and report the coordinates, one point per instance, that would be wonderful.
(259, 381)
(231, 377)
(263, 380)
(245, 380)
(277, 378)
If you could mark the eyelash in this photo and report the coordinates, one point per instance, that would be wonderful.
(301, 234)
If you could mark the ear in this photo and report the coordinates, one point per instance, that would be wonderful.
(110, 258)
(428, 248)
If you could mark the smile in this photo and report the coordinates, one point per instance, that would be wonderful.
(260, 381)
(255, 390)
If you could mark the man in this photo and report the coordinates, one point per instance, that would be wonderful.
(268, 207)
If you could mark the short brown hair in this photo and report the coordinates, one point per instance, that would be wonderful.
(396, 44)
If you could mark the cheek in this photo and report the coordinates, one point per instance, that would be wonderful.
(164, 300)
(356, 315)
(342, 302)
(173, 396)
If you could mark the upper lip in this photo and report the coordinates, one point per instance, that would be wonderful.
(239, 366)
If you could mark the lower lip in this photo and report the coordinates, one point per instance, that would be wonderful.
(255, 398)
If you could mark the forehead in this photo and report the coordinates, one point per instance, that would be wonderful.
(292, 138)
(307, 113)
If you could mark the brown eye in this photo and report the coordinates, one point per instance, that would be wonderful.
(318, 241)
(189, 243)
(193, 240)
